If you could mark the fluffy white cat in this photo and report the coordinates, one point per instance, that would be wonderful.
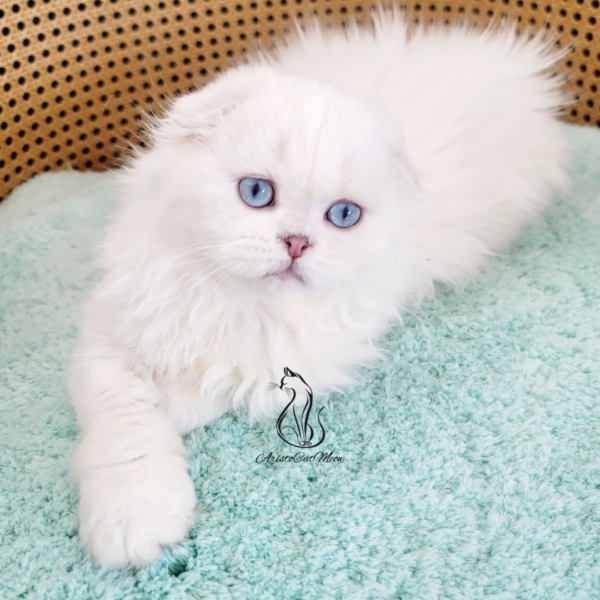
(283, 216)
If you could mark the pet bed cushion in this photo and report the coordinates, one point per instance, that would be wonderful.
(471, 459)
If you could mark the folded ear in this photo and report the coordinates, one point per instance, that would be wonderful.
(408, 171)
(193, 116)
(397, 145)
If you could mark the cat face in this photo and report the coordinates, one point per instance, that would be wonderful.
(285, 184)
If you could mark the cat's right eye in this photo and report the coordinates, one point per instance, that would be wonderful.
(256, 192)
(343, 214)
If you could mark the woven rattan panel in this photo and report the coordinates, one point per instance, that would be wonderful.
(78, 76)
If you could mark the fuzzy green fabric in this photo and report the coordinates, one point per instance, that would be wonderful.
(471, 460)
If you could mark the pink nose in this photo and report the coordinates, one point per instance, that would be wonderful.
(296, 245)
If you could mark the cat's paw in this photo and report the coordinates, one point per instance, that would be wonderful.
(129, 512)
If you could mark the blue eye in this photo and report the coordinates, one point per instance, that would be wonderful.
(256, 193)
(344, 214)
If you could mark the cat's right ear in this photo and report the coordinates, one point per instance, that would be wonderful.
(194, 116)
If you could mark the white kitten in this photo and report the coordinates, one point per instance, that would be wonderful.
(440, 146)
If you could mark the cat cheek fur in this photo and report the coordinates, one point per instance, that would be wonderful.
(180, 329)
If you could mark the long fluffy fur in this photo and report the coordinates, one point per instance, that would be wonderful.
(447, 138)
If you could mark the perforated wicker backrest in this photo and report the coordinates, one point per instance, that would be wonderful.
(77, 76)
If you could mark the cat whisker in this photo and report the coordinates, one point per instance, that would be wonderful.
(199, 277)
(188, 249)
(226, 274)
(212, 268)
(209, 271)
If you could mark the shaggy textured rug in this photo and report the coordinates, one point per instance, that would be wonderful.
(471, 460)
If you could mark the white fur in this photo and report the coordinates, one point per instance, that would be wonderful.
(448, 140)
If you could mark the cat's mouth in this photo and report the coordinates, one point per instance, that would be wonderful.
(287, 274)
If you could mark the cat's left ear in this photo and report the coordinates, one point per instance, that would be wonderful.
(407, 170)
(397, 146)
(194, 116)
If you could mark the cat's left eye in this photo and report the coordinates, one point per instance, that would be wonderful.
(256, 192)
(343, 214)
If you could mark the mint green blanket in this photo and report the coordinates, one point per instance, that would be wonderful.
(471, 460)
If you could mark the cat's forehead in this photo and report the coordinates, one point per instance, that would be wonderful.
(306, 128)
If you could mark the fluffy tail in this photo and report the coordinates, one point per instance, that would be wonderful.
(480, 117)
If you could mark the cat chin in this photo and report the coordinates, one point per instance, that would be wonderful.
(287, 276)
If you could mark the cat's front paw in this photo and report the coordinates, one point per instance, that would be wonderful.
(129, 512)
